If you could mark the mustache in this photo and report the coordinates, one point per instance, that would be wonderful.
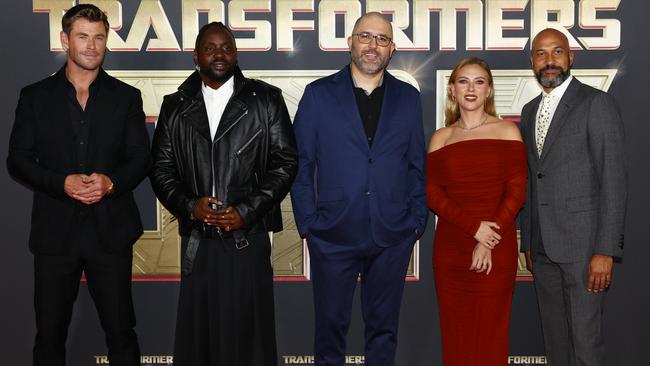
(551, 67)
(217, 62)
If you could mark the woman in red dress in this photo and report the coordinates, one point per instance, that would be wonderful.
(476, 184)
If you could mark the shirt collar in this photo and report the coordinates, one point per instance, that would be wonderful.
(93, 85)
(226, 89)
(354, 82)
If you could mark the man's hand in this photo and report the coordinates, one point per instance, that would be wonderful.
(529, 261)
(229, 219)
(73, 184)
(96, 186)
(600, 273)
(204, 212)
(87, 189)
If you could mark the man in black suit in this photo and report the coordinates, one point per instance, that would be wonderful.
(79, 143)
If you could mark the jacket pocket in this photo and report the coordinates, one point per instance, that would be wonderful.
(248, 142)
(580, 204)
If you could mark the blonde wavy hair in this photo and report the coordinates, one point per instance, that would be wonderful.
(452, 110)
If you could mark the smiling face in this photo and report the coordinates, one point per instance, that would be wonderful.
(471, 87)
(85, 45)
(371, 58)
(551, 58)
(216, 56)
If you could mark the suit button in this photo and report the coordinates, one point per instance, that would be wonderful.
(540, 175)
(367, 193)
(370, 161)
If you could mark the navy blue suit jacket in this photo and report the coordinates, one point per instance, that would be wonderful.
(346, 192)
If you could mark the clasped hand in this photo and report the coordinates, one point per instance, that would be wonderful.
(87, 189)
(486, 235)
(487, 239)
(481, 259)
(206, 210)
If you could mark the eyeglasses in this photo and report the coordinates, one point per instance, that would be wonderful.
(366, 38)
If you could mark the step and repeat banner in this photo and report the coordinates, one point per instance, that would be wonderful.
(289, 43)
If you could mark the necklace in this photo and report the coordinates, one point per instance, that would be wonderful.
(485, 118)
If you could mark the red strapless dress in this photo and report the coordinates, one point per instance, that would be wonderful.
(469, 182)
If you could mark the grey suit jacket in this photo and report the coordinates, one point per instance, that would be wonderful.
(576, 191)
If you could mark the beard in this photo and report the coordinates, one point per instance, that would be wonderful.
(554, 81)
(218, 77)
(369, 67)
(86, 64)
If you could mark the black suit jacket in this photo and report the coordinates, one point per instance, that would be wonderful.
(41, 155)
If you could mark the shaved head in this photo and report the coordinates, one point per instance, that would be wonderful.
(551, 33)
(374, 15)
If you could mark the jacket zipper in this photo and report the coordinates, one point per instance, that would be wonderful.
(231, 126)
(238, 152)
(214, 175)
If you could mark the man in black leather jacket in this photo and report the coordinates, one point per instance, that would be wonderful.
(224, 158)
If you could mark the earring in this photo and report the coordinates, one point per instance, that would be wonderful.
(197, 67)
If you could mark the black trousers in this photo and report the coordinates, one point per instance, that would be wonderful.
(335, 270)
(56, 284)
(225, 306)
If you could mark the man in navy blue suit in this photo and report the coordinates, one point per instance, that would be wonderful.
(359, 194)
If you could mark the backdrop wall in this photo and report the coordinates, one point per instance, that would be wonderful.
(289, 43)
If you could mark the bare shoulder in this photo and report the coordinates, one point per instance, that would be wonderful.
(507, 130)
(439, 138)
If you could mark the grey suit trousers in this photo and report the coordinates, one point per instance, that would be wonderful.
(572, 317)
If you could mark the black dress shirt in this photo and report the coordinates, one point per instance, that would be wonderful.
(369, 108)
(80, 120)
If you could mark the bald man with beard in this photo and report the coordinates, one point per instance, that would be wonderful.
(573, 221)
(359, 194)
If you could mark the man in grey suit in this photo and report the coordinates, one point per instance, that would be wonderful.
(572, 223)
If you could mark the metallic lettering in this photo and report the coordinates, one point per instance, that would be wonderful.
(237, 10)
(327, 11)
(286, 25)
(495, 25)
(191, 11)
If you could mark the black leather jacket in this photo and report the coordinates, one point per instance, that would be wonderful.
(254, 152)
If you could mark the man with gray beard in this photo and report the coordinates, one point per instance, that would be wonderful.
(359, 194)
(572, 223)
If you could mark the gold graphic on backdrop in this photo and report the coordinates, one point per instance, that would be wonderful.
(288, 249)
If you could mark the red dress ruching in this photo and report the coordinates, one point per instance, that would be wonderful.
(469, 182)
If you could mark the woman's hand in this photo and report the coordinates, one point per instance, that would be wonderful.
(481, 259)
(486, 235)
